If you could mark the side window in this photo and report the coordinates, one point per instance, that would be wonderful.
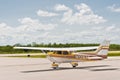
(65, 53)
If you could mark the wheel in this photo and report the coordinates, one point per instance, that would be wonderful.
(28, 55)
(74, 66)
(54, 65)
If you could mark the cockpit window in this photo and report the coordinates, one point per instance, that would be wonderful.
(59, 52)
(62, 52)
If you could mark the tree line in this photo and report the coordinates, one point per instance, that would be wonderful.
(9, 48)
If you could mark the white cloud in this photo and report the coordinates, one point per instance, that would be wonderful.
(103, 32)
(84, 16)
(84, 9)
(110, 28)
(34, 25)
(46, 13)
(33, 30)
(92, 34)
(114, 8)
(6, 33)
(5, 29)
(61, 7)
(30, 30)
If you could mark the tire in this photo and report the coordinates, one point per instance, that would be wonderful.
(74, 66)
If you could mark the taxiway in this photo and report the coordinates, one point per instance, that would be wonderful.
(40, 69)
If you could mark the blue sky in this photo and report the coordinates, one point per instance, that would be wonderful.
(60, 21)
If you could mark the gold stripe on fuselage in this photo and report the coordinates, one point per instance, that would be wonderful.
(74, 57)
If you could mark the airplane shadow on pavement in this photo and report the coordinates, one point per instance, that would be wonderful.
(91, 68)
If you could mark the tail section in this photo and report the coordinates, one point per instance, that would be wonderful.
(102, 51)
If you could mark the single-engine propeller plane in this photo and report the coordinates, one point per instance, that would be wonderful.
(70, 55)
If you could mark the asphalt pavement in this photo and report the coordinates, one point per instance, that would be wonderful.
(40, 69)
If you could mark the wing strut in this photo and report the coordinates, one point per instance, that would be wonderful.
(44, 52)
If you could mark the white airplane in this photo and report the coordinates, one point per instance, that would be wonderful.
(70, 55)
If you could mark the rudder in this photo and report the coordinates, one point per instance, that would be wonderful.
(103, 49)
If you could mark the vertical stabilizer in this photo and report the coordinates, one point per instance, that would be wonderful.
(103, 49)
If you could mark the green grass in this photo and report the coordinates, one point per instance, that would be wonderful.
(114, 54)
(32, 56)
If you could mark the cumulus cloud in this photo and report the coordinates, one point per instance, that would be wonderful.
(61, 7)
(84, 15)
(102, 32)
(6, 33)
(29, 30)
(46, 13)
(33, 30)
(34, 24)
(98, 33)
(114, 8)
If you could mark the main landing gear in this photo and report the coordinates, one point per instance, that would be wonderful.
(74, 64)
(54, 65)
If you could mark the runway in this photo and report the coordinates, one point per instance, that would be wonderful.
(40, 69)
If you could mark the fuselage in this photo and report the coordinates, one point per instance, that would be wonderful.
(68, 57)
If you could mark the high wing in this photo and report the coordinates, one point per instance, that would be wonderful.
(58, 49)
